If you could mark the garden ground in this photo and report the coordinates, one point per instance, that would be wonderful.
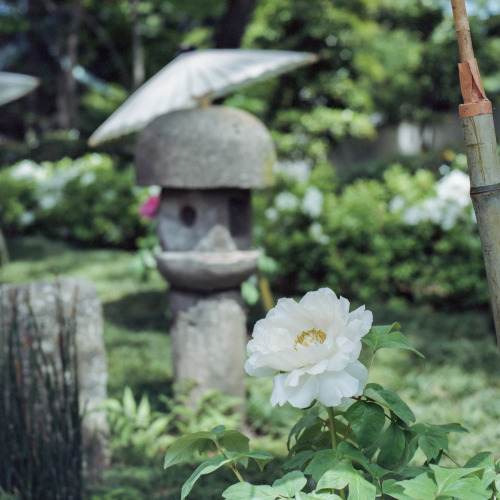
(458, 382)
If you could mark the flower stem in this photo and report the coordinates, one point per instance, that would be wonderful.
(333, 433)
(233, 466)
(452, 459)
(371, 361)
(237, 472)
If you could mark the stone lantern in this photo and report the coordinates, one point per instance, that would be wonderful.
(206, 160)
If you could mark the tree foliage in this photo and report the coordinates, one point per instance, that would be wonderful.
(379, 60)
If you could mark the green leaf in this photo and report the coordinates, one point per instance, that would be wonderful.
(392, 446)
(247, 491)
(485, 461)
(290, 483)
(347, 450)
(467, 488)
(184, 448)
(394, 489)
(323, 460)
(298, 460)
(207, 467)
(344, 474)
(308, 421)
(401, 466)
(361, 489)
(234, 441)
(451, 482)
(367, 421)
(388, 337)
(261, 457)
(218, 430)
(316, 496)
(431, 439)
(144, 411)
(454, 427)
(390, 400)
(422, 487)
(376, 471)
(129, 404)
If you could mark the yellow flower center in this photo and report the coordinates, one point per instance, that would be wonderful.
(310, 337)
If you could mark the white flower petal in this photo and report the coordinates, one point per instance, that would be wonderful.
(258, 371)
(300, 397)
(335, 386)
(314, 343)
(359, 371)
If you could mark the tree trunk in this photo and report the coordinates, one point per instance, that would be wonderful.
(233, 23)
(68, 19)
(138, 65)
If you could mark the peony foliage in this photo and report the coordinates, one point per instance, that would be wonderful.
(365, 446)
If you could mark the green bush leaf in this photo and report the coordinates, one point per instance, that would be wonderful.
(452, 483)
(485, 461)
(323, 460)
(298, 460)
(184, 448)
(247, 491)
(308, 421)
(261, 457)
(431, 439)
(218, 430)
(388, 337)
(316, 496)
(393, 489)
(344, 474)
(422, 487)
(129, 404)
(290, 483)
(367, 421)
(454, 427)
(392, 446)
(211, 465)
(467, 488)
(390, 400)
(347, 450)
(234, 441)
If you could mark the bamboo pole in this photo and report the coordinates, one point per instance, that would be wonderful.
(482, 157)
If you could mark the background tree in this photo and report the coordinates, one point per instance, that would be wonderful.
(380, 61)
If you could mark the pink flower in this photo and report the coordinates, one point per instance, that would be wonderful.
(149, 208)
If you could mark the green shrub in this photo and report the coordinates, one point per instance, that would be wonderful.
(86, 200)
(408, 236)
(140, 434)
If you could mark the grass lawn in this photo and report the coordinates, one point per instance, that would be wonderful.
(458, 382)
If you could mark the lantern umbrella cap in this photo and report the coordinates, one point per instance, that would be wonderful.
(194, 79)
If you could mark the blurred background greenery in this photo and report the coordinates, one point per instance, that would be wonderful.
(378, 230)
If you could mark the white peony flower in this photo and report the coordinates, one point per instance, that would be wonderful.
(312, 349)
